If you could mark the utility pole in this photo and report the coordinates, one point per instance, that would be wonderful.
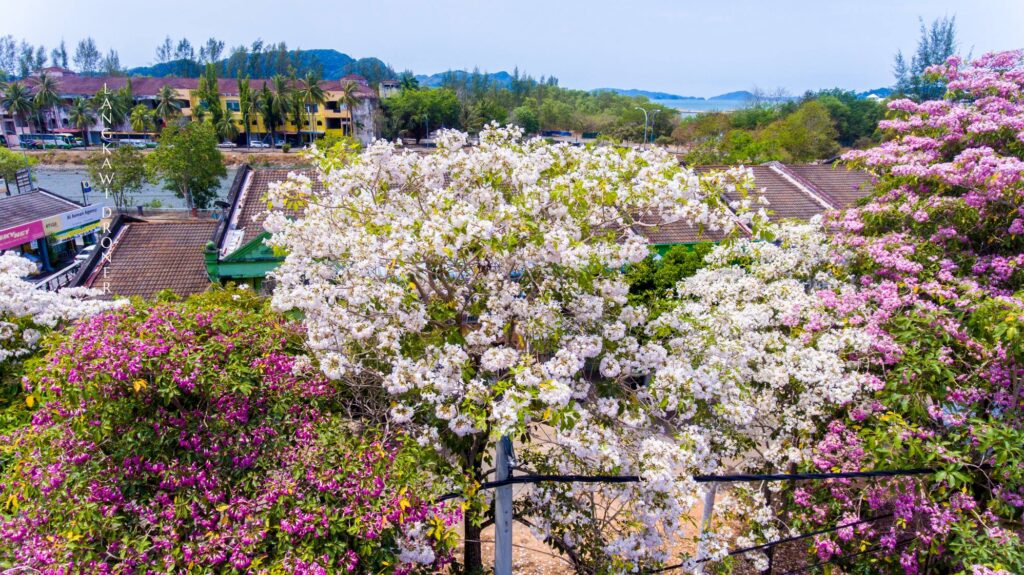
(503, 509)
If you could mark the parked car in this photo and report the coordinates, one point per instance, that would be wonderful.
(258, 144)
(85, 253)
(227, 145)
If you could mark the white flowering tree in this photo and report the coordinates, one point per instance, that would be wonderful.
(482, 289)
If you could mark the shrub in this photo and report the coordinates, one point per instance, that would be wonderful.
(195, 433)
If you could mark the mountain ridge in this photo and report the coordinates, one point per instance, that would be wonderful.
(335, 64)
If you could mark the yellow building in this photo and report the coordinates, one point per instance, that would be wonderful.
(332, 117)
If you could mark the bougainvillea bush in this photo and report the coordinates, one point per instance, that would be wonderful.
(26, 315)
(195, 436)
(937, 254)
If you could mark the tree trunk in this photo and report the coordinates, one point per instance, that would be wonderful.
(472, 554)
(471, 550)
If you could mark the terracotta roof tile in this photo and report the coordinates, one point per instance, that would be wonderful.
(841, 184)
(150, 256)
(679, 232)
(252, 208)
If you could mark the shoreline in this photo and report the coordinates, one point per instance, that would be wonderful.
(71, 160)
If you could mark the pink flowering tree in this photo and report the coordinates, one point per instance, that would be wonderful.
(937, 254)
(191, 436)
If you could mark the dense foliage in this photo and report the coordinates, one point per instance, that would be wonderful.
(176, 436)
(815, 127)
(472, 101)
(188, 162)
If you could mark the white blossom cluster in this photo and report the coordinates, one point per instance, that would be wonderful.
(482, 288)
(24, 309)
(755, 347)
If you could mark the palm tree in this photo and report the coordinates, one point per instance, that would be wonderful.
(226, 128)
(167, 105)
(141, 119)
(110, 107)
(80, 115)
(17, 100)
(275, 102)
(408, 82)
(311, 94)
(47, 95)
(350, 100)
(125, 101)
(246, 105)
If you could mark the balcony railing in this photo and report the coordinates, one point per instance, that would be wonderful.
(60, 278)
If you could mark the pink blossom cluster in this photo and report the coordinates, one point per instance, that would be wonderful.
(174, 437)
(937, 254)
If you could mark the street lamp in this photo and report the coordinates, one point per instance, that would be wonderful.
(645, 123)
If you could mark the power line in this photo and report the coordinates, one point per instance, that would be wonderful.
(777, 542)
(553, 478)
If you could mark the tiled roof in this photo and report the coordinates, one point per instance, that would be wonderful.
(785, 200)
(148, 86)
(801, 191)
(252, 207)
(149, 256)
(679, 232)
(31, 206)
(842, 185)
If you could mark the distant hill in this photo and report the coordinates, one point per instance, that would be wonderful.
(334, 65)
(880, 92)
(738, 95)
(502, 79)
(646, 94)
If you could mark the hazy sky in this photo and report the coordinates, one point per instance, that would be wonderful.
(685, 47)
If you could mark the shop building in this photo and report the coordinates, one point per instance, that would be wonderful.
(46, 228)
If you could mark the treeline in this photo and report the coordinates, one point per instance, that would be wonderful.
(261, 60)
(19, 59)
(814, 127)
(468, 101)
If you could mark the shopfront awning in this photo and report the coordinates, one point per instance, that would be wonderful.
(27, 217)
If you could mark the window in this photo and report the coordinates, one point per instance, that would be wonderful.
(332, 106)
(311, 108)
(333, 123)
(233, 106)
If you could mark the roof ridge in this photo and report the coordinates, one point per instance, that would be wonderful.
(804, 185)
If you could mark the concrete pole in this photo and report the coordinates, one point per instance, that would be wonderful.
(503, 510)
(705, 524)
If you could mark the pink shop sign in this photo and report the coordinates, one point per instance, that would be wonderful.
(22, 234)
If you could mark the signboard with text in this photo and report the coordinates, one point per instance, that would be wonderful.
(21, 234)
(61, 226)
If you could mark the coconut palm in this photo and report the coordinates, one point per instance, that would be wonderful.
(246, 104)
(18, 101)
(350, 100)
(46, 94)
(110, 107)
(310, 93)
(141, 119)
(226, 128)
(167, 105)
(274, 103)
(81, 117)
